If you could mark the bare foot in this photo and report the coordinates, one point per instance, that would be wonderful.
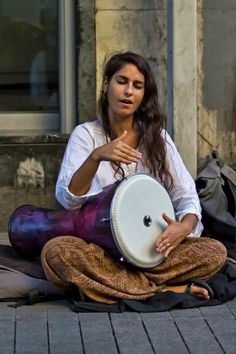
(194, 289)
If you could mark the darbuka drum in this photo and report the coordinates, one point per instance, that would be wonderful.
(125, 219)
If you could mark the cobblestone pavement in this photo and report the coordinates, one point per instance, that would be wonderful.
(54, 329)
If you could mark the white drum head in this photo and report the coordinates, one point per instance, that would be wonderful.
(136, 218)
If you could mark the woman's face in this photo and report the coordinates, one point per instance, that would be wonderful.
(125, 92)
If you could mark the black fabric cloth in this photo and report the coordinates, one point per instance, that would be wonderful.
(223, 285)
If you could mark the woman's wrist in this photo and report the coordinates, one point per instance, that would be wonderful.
(189, 222)
(95, 155)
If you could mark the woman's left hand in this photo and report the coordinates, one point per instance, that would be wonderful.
(174, 234)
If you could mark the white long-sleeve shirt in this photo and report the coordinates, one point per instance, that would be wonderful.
(88, 136)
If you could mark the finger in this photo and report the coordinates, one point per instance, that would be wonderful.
(128, 149)
(168, 251)
(123, 158)
(122, 136)
(163, 245)
(163, 237)
(167, 219)
(130, 152)
(125, 151)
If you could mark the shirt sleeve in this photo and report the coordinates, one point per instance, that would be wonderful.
(183, 193)
(80, 145)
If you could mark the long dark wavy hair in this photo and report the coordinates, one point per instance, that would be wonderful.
(148, 117)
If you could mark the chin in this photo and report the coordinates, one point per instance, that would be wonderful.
(126, 116)
(126, 113)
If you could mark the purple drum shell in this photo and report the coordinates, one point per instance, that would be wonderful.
(30, 227)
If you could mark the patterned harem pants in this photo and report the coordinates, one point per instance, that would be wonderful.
(70, 261)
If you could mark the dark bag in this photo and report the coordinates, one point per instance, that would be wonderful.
(216, 187)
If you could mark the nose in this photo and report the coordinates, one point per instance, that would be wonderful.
(129, 89)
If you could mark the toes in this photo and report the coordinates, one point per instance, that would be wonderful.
(196, 290)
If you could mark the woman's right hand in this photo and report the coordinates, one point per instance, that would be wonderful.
(117, 150)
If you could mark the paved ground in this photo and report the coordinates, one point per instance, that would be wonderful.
(54, 329)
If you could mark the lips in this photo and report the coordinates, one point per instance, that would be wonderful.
(126, 101)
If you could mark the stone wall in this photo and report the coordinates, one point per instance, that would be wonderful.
(217, 79)
(86, 53)
(29, 168)
(109, 26)
(135, 25)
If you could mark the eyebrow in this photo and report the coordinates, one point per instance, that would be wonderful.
(125, 77)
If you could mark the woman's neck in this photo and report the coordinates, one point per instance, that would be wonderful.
(133, 136)
(119, 124)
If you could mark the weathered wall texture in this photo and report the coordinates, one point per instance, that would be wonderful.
(217, 79)
(29, 168)
(86, 51)
(183, 79)
(136, 25)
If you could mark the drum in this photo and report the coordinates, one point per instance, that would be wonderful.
(125, 219)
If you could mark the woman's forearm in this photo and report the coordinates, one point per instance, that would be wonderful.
(82, 179)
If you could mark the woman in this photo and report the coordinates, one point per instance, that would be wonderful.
(130, 137)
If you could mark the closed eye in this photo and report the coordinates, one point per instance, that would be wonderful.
(138, 85)
(122, 80)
